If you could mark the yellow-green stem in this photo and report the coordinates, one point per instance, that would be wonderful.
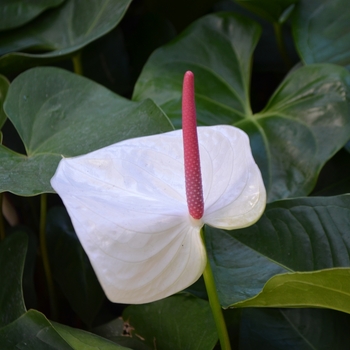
(78, 68)
(281, 44)
(45, 257)
(2, 224)
(215, 304)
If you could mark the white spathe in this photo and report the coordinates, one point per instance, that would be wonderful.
(128, 206)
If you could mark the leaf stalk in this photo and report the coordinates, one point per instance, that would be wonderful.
(45, 257)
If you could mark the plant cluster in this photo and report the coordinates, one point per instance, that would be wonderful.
(77, 76)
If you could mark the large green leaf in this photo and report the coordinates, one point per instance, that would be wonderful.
(290, 329)
(33, 331)
(305, 234)
(270, 10)
(321, 31)
(326, 289)
(305, 122)
(178, 322)
(61, 31)
(4, 85)
(72, 270)
(218, 49)
(13, 251)
(57, 113)
(16, 13)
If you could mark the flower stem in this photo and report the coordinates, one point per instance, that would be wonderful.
(78, 67)
(281, 44)
(215, 304)
(45, 257)
(2, 224)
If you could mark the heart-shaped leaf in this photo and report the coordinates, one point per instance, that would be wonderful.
(270, 10)
(16, 13)
(13, 251)
(321, 31)
(218, 49)
(305, 122)
(305, 234)
(61, 31)
(72, 270)
(178, 322)
(57, 113)
(4, 85)
(325, 289)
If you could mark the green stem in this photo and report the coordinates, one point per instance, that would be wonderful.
(2, 224)
(45, 257)
(78, 67)
(215, 304)
(281, 44)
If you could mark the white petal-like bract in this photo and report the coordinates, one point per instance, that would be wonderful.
(128, 206)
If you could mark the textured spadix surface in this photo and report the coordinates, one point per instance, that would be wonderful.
(128, 206)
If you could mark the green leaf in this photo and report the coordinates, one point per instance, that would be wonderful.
(305, 122)
(325, 289)
(218, 49)
(304, 234)
(13, 251)
(16, 13)
(291, 329)
(79, 339)
(61, 32)
(177, 322)
(4, 85)
(321, 31)
(72, 270)
(33, 331)
(270, 10)
(57, 113)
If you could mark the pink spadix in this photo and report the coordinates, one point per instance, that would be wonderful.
(193, 178)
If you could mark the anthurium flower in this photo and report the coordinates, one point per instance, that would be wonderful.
(138, 209)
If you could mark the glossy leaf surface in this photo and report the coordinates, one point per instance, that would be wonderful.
(305, 122)
(72, 270)
(177, 322)
(218, 49)
(325, 289)
(13, 251)
(321, 31)
(305, 234)
(61, 32)
(16, 13)
(57, 113)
